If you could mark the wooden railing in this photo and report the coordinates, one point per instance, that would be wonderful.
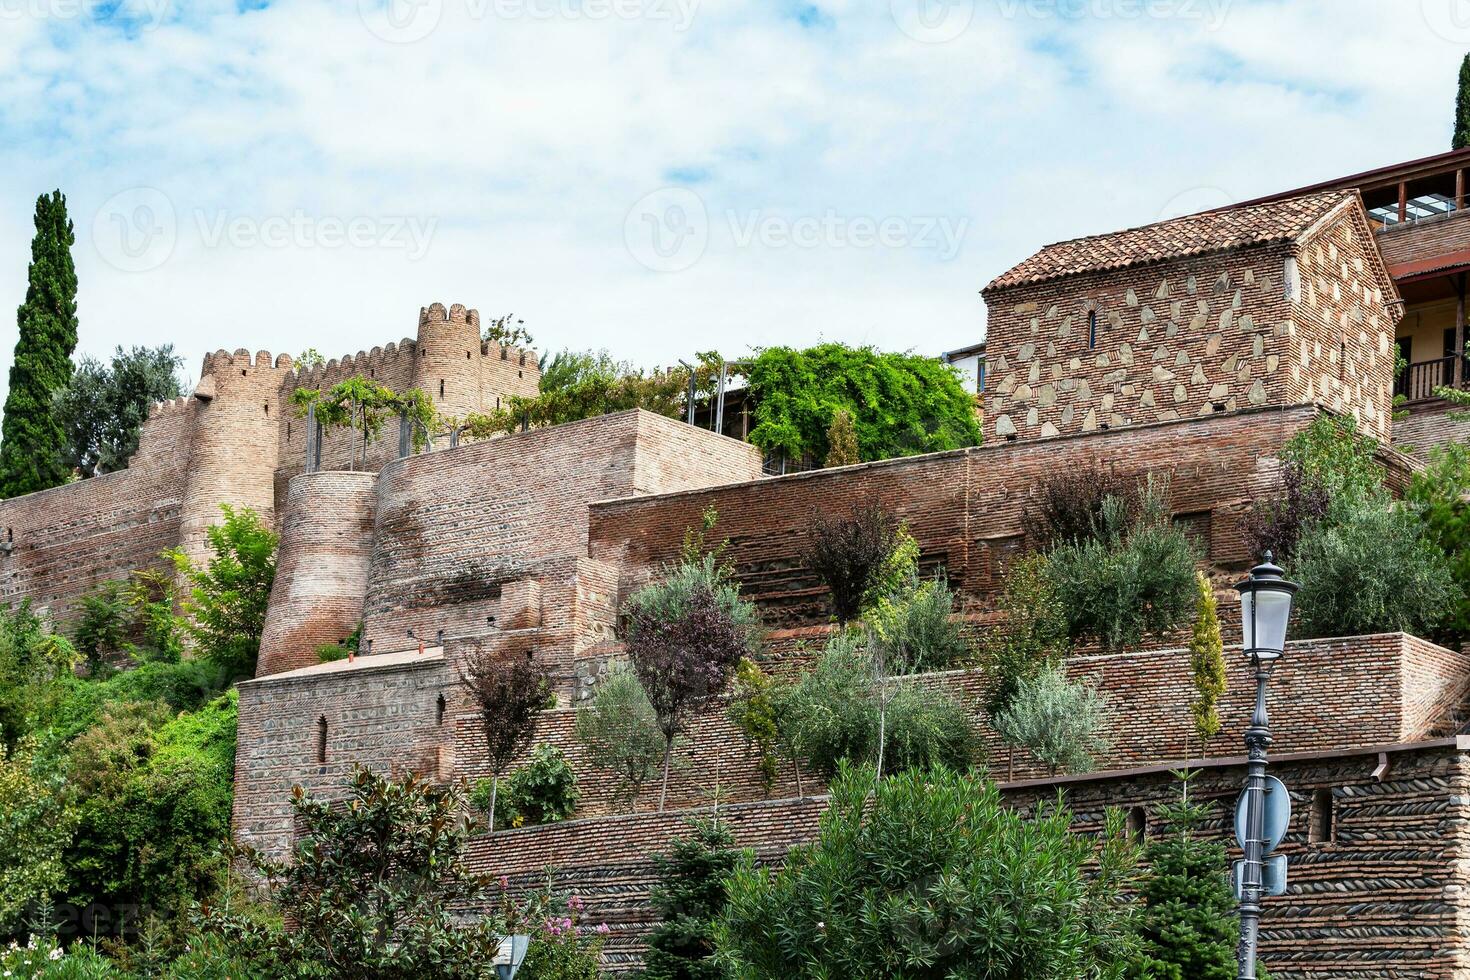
(1418, 381)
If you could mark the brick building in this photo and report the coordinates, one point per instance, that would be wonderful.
(1193, 347)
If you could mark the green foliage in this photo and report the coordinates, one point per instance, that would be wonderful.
(32, 434)
(1372, 569)
(900, 404)
(134, 617)
(1033, 635)
(70, 705)
(833, 714)
(1068, 507)
(103, 407)
(1461, 137)
(226, 601)
(842, 446)
(1062, 722)
(1189, 927)
(507, 331)
(32, 659)
(755, 713)
(567, 369)
(689, 899)
(1206, 665)
(562, 947)
(330, 652)
(370, 890)
(857, 555)
(45, 958)
(35, 830)
(544, 790)
(1134, 579)
(364, 405)
(933, 875)
(620, 731)
(510, 692)
(914, 631)
(1440, 495)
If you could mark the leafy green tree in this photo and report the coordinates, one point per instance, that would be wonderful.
(226, 601)
(32, 435)
(915, 630)
(1189, 926)
(754, 711)
(1032, 636)
(1440, 494)
(1135, 579)
(932, 875)
(900, 404)
(1206, 665)
(508, 331)
(33, 660)
(1062, 722)
(372, 890)
(544, 790)
(620, 731)
(1461, 138)
(689, 900)
(842, 446)
(103, 407)
(34, 834)
(1372, 569)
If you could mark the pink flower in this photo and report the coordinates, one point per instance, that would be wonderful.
(504, 881)
(602, 929)
(574, 903)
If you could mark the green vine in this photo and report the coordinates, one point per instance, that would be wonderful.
(364, 406)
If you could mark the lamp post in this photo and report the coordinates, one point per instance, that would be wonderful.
(1265, 607)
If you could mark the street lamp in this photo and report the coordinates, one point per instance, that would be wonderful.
(1265, 607)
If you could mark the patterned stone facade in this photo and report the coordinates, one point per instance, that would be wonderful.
(1305, 320)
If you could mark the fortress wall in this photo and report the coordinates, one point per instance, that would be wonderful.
(321, 567)
(964, 507)
(1194, 336)
(1381, 897)
(454, 527)
(1429, 425)
(66, 541)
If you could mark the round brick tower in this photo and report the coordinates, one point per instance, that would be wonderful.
(447, 367)
(321, 567)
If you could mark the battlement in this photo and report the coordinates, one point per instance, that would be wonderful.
(222, 360)
(376, 364)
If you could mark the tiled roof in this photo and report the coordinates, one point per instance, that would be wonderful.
(1195, 234)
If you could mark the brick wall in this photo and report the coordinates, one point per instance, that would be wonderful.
(1418, 240)
(1195, 336)
(1430, 424)
(964, 507)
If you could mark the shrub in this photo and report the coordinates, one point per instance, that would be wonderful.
(1439, 494)
(689, 899)
(915, 631)
(755, 713)
(34, 834)
(332, 652)
(923, 878)
(1372, 570)
(1206, 665)
(32, 660)
(510, 692)
(544, 790)
(848, 553)
(226, 600)
(103, 624)
(925, 729)
(1061, 722)
(1135, 579)
(562, 947)
(1032, 637)
(620, 731)
(842, 444)
(1068, 506)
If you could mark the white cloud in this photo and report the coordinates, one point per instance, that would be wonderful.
(525, 140)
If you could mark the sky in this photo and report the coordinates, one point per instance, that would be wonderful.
(659, 177)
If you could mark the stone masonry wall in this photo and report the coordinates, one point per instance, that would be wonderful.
(1193, 337)
(1430, 424)
(964, 507)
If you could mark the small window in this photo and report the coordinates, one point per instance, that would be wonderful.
(1137, 823)
(439, 711)
(980, 376)
(267, 409)
(441, 387)
(321, 740)
(467, 355)
(1323, 827)
(288, 430)
(1091, 329)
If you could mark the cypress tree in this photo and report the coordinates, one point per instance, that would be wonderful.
(690, 898)
(32, 436)
(1462, 108)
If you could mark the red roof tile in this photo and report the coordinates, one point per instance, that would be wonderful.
(1195, 234)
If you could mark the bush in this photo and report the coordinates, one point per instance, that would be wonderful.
(1061, 722)
(1206, 666)
(226, 601)
(1068, 507)
(34, 834)
(932, 875)
(1372, 570)
(45, 958)
(510, 692)
(915, 632)
(544, 790)
(689, 899)
(848, 554)
(1032, 637)
(755, 713)
(925, 729)
(620, 731)
(1134, 580)
(32, 658)
(562, 947)
(1439, 494)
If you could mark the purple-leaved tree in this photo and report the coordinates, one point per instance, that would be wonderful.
(509, 691)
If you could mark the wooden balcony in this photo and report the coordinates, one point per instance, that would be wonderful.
(1418, 381)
